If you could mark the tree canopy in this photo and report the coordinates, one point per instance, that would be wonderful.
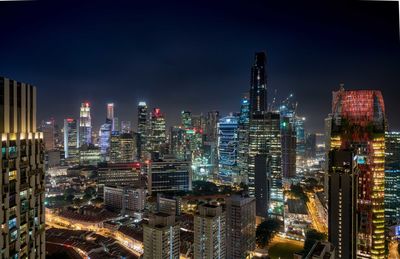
(266, 231)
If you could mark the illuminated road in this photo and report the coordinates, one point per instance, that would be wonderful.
(317, 222)
(281, 239)
(55, 221)
(393, 252)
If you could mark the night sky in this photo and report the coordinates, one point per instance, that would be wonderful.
(196, 55)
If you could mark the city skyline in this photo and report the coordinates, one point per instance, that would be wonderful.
(200, 129)
(124, 49)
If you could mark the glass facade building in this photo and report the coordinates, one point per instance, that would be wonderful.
(228, 149)
(85, 125)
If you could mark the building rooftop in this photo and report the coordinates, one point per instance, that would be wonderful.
(297, 206)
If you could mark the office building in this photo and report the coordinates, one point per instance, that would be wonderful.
(199, 122)
(125, 200)
(288, 142)
(178, 147)
(243, 138)
(89, 155)
(105, 140)
(228, 150)
(119, 174)
(169, 204)
(168, 175)
(392, 179)
(358, 124)
(115, 147)
(22, 212)
(300, 140)
(126, 127)
(342, 202)
(257, 122)
(157, 137)
(128, 148)
(85, 125)
(209, 232)
(161, 237)
(262, 186)
(211, 126)
(241, 226)
(142, 127)
(274, 167)
(71, 150)
(49, 134)
(186, 119)
(311, 145)
(110, 116)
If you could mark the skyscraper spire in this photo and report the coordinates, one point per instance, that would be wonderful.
(258, 85)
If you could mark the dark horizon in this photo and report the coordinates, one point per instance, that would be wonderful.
(197, 55)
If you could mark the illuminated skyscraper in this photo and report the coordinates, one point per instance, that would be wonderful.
(258, 110)
(143, 128)
(110, 115)
(22, 212)
(243, 138)
(211, 126)
(105, 139)
(126, 127)
(300, 140)
(199, 122)
(289, 138)
(71, 139)
(227, 149)
(274, 168)
(186, 119)
(358, 125)
(49, 134)
(128, 151)
(342, 202)
(288, 133)
(157, 135)
(392, 179)
(178, 143)
(258, 85)
(85, 125)
(115, 147)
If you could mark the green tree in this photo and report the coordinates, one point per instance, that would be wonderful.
(266, 231)
(69, 198)
(312, 236)
(297, 191)
(311, 183)
(90, 192)
(204, 188)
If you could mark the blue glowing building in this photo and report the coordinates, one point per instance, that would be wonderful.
(105, 138)
(227, 149)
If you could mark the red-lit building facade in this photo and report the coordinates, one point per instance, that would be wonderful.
(358, 127)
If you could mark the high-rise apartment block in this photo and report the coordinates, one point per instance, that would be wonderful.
(22, 180)
(209, 232)
(241, 226)
(161, 237)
